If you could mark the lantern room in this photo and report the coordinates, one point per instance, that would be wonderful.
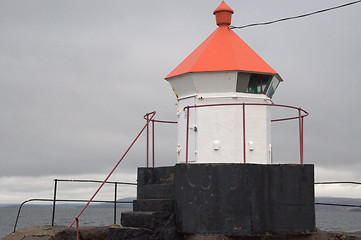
(223, 88)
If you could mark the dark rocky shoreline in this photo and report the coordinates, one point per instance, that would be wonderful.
(101, 233)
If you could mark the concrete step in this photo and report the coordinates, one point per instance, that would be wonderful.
(122, 233)
(150, 220)
(155, 191)
(153, 205)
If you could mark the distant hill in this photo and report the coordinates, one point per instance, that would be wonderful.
(342, 201)
(356, 201)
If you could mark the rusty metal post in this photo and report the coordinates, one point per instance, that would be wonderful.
(187, 134)
(77, 228)
(153, 140)
(54, 201)
(244, 133)
(115, 202)
(300, 128)
(147, 140)
(302, 137)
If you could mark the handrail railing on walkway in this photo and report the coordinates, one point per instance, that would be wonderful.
(149, 117)
(153, 138)
(58, 200)
(301, 114)
(357, 183)
(88, 181)
(99, 201)
(337, 204)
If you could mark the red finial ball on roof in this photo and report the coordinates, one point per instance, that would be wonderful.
(223, 14)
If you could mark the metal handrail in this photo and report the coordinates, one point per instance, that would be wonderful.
(149, 117)
(92, 181)
(337, 204)
(153, 136)
(87, 181)
(100, 201)
(301, 114)
(357, 183)
(58, 200)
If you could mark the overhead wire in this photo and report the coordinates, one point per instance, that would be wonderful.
(295, 17)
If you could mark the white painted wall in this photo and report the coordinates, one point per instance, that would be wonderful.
(181, 130)
(218, 136)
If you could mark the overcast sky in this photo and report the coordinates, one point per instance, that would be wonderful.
(76, 77)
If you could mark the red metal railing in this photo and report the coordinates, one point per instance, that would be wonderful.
(301, 114)
(149, 117)
(153, 137)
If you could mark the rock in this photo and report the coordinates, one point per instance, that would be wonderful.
(34, 233)
(318, 235)
(58, 233)
(101, 233)
(94, 233)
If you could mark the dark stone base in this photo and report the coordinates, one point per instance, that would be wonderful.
(147, 205)
(244, 199)
(233, 200)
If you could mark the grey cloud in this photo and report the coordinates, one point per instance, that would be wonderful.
(77, 77)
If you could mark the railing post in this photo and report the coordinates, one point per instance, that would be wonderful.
(77, 228)
(187, 134)
(147, 140)
(300, 128)
(115, 202)
(153, 140)
(302, 136)
(54, 201)
(244, 133)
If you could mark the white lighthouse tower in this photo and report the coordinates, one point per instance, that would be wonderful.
(224, 92)
(227, 87)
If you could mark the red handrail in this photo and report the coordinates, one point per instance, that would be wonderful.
(301, 114)
(77, 228)
(149, 117)
(147, 157)
(153, 138)
(244, 134)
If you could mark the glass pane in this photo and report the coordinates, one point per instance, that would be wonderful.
(242, 81)
(272, 87)
(258, 83)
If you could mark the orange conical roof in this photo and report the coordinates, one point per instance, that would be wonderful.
(223, 50)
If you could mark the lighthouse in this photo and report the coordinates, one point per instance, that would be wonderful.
(225, 182)
(223, 88)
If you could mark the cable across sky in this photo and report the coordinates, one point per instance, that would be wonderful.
(295, 17)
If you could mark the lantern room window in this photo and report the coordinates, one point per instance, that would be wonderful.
(256, 83)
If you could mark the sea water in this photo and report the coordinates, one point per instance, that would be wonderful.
(30, 216)
(327, 218)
